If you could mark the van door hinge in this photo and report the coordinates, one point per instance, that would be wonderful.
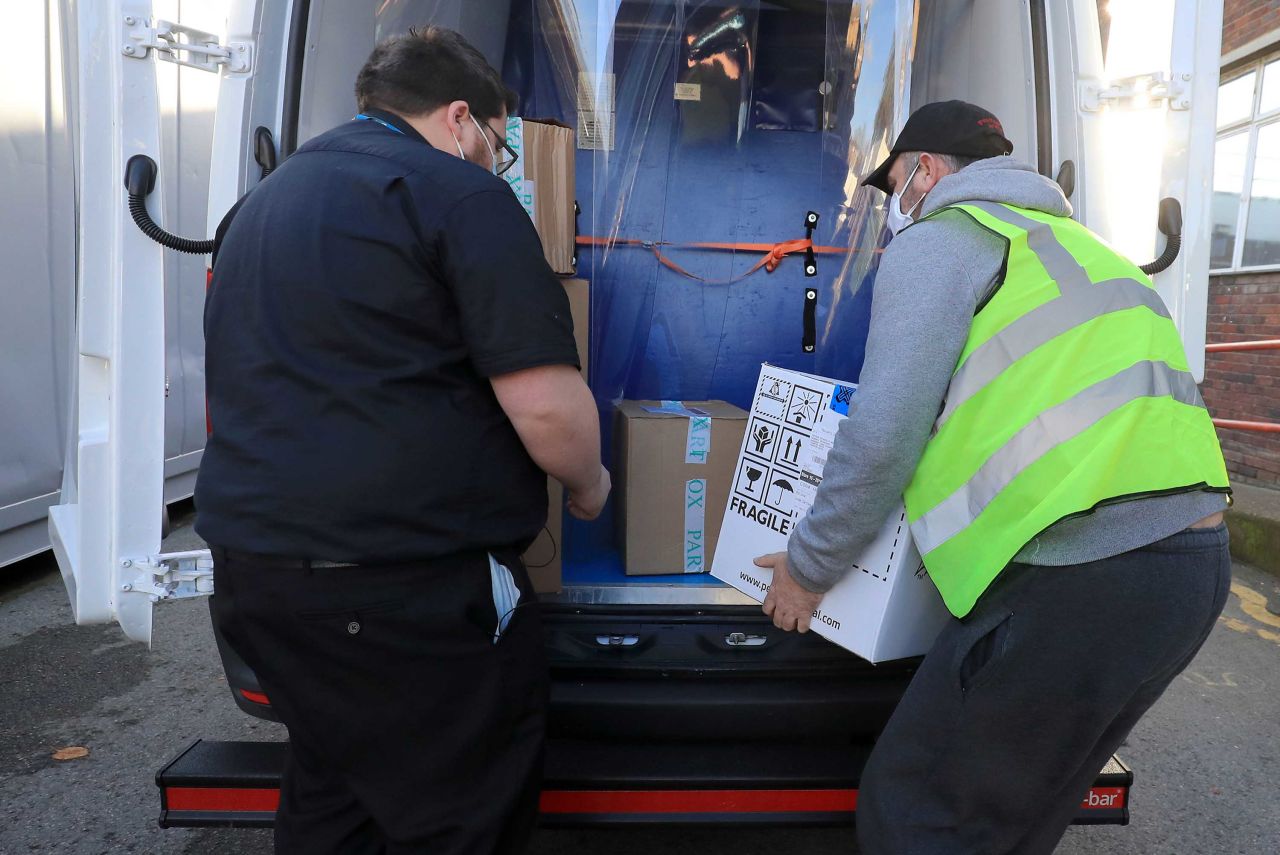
(170, 576)
(1138, 92)
(184, 46)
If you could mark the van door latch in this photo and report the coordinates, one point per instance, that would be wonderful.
(1137, 92)
(183, 45)
(741, 639)
(170, 575)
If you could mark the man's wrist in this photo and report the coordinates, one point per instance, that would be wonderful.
(796, 565)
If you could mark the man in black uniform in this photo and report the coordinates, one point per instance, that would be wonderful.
(391, 370)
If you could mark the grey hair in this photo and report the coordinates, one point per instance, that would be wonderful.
(954, 162)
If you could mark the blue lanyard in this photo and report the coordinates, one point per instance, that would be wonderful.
(362, 117)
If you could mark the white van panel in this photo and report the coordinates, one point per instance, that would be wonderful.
(979, 51)
(37, 243)
(341, 34)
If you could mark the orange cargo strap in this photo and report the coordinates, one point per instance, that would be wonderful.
(772, 257)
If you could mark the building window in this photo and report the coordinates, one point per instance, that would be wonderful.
(1246, 170)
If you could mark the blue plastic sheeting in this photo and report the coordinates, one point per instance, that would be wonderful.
(605, 568)
(782, 106)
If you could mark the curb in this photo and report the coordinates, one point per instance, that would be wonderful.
(1255, 540)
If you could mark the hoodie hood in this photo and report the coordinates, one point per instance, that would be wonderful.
(998, 179)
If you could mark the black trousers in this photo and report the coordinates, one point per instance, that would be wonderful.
(1018, 706)
(410, 730)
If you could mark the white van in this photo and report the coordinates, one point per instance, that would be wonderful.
(696, 121)
(39, 187)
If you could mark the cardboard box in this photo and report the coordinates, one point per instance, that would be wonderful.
(545, 557)
(579, 291)
(672, 467)
(886, 607)
(543, 180)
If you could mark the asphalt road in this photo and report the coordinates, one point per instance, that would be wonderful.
(1207, 757)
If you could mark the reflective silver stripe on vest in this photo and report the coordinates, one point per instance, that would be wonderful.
(1057, 261)
(1079, 302)
(1046, 432)
(1038, 327)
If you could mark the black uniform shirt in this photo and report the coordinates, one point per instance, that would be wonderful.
(361, 298)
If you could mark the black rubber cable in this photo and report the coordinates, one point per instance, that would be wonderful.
(139, 181)
(138, 208)
(1169, 222)
(1173, 243)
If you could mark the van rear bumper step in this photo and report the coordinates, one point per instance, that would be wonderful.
(237, 785)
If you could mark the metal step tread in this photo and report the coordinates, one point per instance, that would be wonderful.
(236, 784)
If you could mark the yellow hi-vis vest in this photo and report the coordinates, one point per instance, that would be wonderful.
(1071, 392)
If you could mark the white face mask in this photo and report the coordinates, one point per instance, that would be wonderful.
(896, 219)
(493, 155)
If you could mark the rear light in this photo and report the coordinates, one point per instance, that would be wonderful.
(256, 697)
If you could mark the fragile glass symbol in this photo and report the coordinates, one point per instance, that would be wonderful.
(753, 475)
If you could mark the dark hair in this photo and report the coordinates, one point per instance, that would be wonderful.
(426, 68)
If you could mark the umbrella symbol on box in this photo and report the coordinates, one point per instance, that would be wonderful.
(780, 494)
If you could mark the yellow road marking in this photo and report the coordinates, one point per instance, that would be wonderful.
(1245, 629)
(1254, 604)
(1236, 624)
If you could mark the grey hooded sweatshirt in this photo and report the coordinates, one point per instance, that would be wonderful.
(932, 278)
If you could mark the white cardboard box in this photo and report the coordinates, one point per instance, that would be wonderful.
(886, 607)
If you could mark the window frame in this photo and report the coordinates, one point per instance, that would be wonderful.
(1251, 124)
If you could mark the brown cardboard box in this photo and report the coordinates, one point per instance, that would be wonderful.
(545, 557)
(579, 291)
(669, 509)
(543, 180)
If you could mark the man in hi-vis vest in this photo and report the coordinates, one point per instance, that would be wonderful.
(1026, 391)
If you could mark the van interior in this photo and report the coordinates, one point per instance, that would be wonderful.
(706, 121)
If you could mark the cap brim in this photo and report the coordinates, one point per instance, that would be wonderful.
(879, 179)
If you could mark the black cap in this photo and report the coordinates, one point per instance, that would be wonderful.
(945, 127)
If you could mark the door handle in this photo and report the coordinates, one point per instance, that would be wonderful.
(617, 640)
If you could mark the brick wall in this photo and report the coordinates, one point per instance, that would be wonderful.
(1245, 20)
(1245, 386)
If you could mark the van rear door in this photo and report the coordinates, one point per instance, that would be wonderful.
(1132, 102)
(106, 532)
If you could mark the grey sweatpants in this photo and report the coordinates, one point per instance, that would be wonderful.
(1018, 706)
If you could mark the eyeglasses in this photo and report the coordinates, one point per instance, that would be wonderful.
(511, 155)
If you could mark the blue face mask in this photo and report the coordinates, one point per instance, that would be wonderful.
(896, 219)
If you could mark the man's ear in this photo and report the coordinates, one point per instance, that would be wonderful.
(935, 169)
(456, 113)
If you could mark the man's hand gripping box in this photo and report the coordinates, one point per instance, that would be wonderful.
(886, 607)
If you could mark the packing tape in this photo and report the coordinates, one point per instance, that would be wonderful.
(694, 548)
(698, 444)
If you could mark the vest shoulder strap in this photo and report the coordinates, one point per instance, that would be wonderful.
(1004, 240)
